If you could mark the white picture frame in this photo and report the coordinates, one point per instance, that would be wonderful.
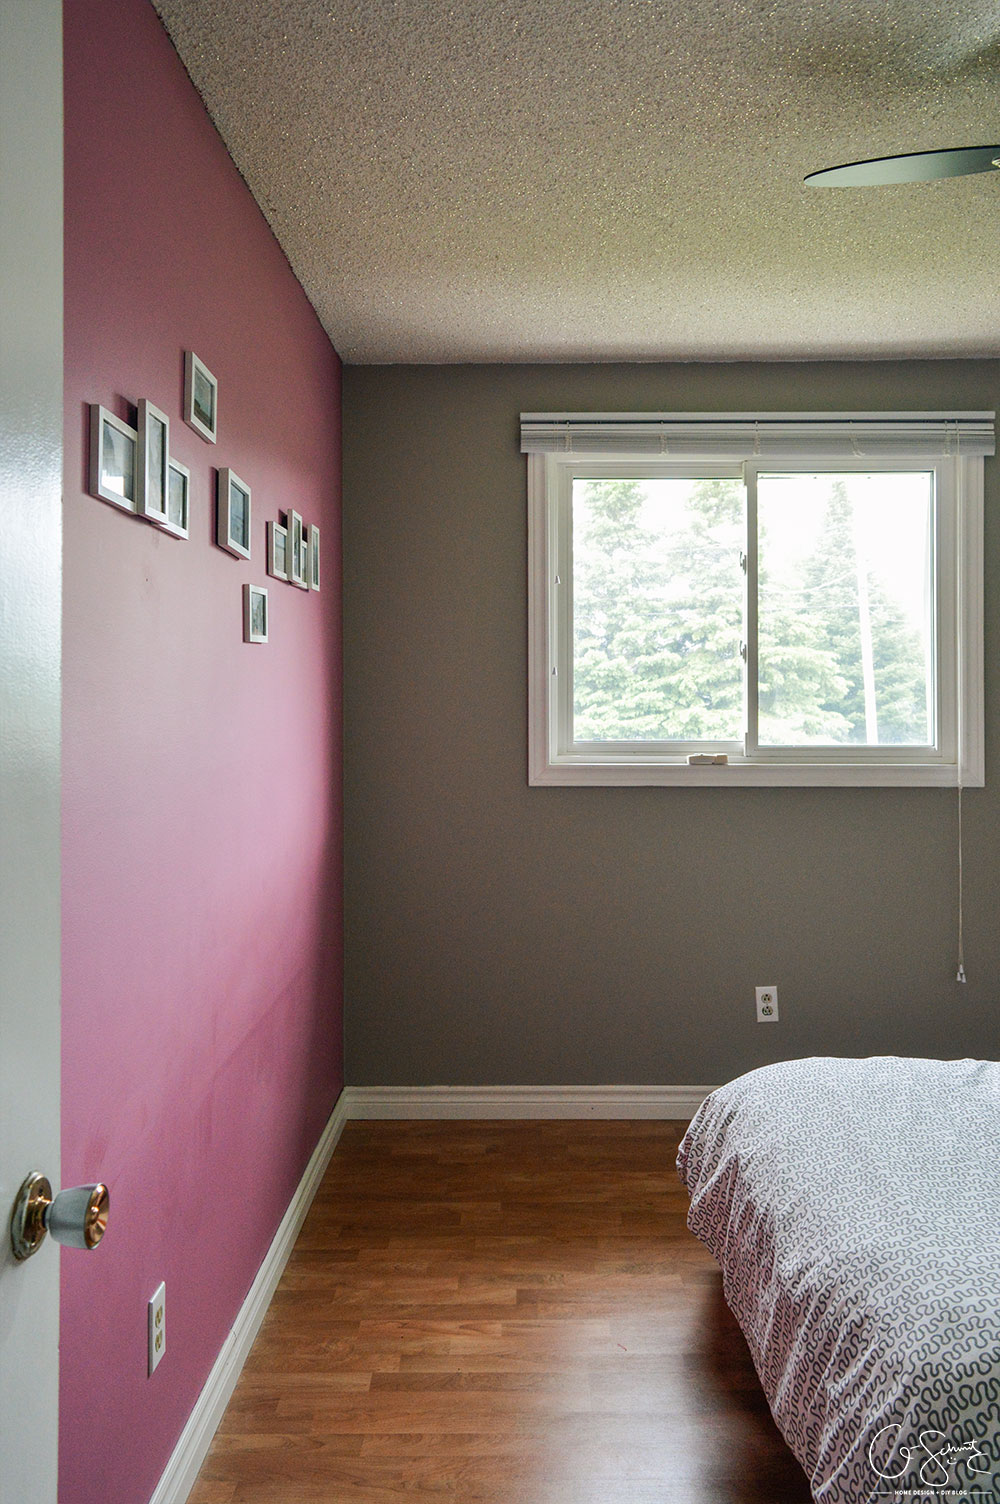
(233, 514)
(152, 463)
(296, 551)
(201, 397)
(255, 613)
(178, 519)
(113, 458)
(277, 551)
(312, 558)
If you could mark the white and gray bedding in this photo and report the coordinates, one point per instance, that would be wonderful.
(854, 1207)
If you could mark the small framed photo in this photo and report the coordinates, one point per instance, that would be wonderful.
(296, 551)
(277, 550)
(233, 529)
(312, 569)
(112, 458)
(254, 613)
(152, 463)
(178, 519)
(201, 397)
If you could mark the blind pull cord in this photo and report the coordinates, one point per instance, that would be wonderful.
(960, 974)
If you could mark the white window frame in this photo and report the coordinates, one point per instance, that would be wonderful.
(561, 446)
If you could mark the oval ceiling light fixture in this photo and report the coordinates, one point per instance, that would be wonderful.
(912, 167)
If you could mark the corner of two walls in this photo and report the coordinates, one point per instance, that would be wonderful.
(202, 799)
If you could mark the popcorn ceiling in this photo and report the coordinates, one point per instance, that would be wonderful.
(613, 179)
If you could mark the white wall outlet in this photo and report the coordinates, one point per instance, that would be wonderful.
(157, 1313)
(767, 1005)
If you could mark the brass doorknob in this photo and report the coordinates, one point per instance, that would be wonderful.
(77, 1218)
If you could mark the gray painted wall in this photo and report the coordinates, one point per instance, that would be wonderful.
(502, 934)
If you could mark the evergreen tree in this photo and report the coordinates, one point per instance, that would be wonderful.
(616, 620)
(833, 601)
(657, 623)
(705, 565)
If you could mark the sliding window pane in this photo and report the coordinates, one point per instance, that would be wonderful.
(845, 609)
(658, 609)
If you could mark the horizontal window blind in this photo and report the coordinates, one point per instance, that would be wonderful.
(765, 435)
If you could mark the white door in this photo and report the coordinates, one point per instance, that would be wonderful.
(30, 573)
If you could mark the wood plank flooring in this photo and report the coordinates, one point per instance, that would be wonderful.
(505, 1312)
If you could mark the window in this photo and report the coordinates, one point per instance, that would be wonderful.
(789, 599)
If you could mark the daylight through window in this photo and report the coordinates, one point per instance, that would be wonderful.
(809, 617)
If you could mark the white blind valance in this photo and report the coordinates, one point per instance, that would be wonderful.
(767, 435)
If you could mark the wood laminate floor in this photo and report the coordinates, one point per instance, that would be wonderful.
(506, 1312)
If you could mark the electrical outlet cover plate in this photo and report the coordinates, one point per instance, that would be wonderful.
(767, 1005)
(157, 1326)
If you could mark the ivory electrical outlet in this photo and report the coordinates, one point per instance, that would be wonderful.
(157, 1311)
(767, 1005)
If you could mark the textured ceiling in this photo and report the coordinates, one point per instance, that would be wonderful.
(460, 180)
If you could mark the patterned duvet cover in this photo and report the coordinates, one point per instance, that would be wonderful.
(854, 1207)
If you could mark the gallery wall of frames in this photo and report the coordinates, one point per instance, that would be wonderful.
(132, 468)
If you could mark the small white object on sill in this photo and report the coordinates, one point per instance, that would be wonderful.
(708, 760)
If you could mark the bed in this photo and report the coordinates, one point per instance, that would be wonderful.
(854, 1208)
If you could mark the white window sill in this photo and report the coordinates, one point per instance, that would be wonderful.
(741, 774)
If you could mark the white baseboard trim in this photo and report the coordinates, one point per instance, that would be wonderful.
(356, 1102)
(524, 1101)
(179, 1476)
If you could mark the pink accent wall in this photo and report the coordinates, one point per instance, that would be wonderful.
(202, 814)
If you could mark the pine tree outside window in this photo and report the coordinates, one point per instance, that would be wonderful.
(807, 611)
